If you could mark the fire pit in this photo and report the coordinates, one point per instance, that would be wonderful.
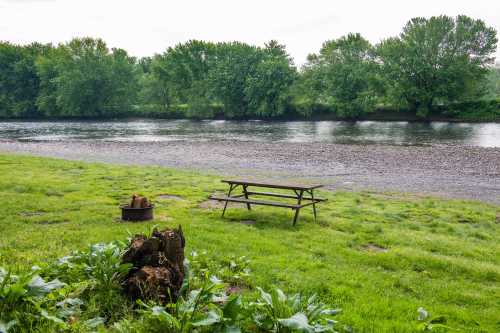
(139, 209)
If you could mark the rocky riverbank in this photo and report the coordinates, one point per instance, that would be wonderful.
(449, 171)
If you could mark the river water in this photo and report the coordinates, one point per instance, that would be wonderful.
(361, 132)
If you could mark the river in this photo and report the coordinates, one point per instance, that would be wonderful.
(361, 132)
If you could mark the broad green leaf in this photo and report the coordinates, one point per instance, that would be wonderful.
(38, 287)
(5, 327)
(68, 307)
(211, 318)
(162, 314)
(94, 322)
(281, 295)
(265, 296)
(70, 301)
(330, 312)
(52, 318)
(297, 322)
(312, 299)
(215, 280)
(232, 307)
(159, 311)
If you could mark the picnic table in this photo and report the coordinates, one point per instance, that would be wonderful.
(302, 193)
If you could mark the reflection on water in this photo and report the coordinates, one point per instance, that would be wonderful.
(361, 132)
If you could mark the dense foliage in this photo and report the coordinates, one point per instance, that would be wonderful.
(344, 76)
(437, 60)
(84, 79)
(88, 297)
(432, 64)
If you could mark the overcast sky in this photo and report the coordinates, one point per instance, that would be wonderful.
(147, 27)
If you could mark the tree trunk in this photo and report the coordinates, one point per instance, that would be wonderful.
(158, 270)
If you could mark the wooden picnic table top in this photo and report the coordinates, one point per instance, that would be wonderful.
(278, 185)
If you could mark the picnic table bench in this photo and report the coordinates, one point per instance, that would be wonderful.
(298, 191)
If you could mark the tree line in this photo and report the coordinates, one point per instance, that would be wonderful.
(436, 65)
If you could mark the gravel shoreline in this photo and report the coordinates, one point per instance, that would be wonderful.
(448, 171)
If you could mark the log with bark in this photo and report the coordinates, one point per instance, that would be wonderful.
(158, 265)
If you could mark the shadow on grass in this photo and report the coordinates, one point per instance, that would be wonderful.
(263, 219)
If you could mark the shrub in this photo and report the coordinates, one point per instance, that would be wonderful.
(488, 110)
(85, 293)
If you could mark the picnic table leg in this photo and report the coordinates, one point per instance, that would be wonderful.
(314, 204)
(246, 195)
(231, 187)
(299, 200)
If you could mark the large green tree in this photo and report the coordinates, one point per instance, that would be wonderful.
(83, 78)
(19, 81)
(228, 77)
(343, 75)
(437, 60)
(154, 94)
(180, 76)
(251, 81)
(267, 87)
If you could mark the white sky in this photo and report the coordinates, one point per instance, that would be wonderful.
(148, 26)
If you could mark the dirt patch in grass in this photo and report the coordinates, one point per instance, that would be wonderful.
(374, 248)
(247, 222)
(465, 220)
(169, 197)
(30, 214)
(214, 204)
(49, 222)
(163, 217)
(53, 193)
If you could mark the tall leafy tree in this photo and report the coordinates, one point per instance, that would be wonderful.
(125, 85)
(267, 87)
(84, 79)
(228, 77)
(154, 93)
(182, 73)
(48, 71)
(246, 80)
(19, 81)
(343, 75)
(437, 60)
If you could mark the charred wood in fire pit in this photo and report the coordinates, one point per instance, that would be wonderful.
(139, 202)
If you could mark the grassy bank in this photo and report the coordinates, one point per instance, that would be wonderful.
(378, 257)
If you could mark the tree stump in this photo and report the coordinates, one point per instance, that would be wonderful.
(158, 269)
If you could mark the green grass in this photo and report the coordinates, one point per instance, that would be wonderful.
(442, 255)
